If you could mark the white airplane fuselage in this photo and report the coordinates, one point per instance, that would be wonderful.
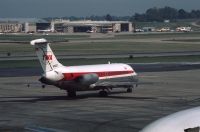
(78, 78)
(104, 71)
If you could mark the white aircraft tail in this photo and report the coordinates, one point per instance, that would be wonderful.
(45, 54)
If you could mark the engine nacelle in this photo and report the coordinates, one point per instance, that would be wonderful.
(87, 79)
(51, 77)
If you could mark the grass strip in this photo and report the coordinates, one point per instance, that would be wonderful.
(71, 62)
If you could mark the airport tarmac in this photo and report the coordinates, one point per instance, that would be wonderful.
(49, 110)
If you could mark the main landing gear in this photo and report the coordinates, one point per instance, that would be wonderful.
(71, 93)
(130, 89)
(103, 93)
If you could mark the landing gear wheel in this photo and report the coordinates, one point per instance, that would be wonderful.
(43, 86)
(129, 90)
(71, 93)
(103, 93)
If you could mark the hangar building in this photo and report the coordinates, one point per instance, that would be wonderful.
(67, 26)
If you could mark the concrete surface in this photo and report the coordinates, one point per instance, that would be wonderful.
(49, 110)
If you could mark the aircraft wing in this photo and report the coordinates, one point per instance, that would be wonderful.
(119, 84)
(109, 85)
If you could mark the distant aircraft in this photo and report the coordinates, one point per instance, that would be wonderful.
(183, 29)
(102, 77)
(44, 31)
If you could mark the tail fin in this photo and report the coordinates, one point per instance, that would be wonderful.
(46, 56)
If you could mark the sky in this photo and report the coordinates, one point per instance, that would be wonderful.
(61, 8)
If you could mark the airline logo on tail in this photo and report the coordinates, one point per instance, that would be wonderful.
(48, 57)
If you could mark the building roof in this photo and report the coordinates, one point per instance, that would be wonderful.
(88, 22)
(23, 20)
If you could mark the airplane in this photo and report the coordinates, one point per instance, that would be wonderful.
(44, 31)
(182, 121)
(102, 77)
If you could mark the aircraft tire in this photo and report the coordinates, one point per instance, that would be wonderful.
(103, 93)
(129, 90)
(43, 86)
(71, 93)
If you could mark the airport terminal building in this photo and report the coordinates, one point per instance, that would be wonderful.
(89, 26)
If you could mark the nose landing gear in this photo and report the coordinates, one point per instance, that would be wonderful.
(129, 90)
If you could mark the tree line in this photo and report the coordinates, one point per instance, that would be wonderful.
(166, 13)
(152, 14)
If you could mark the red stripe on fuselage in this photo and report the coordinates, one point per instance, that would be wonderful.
(72, 76)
